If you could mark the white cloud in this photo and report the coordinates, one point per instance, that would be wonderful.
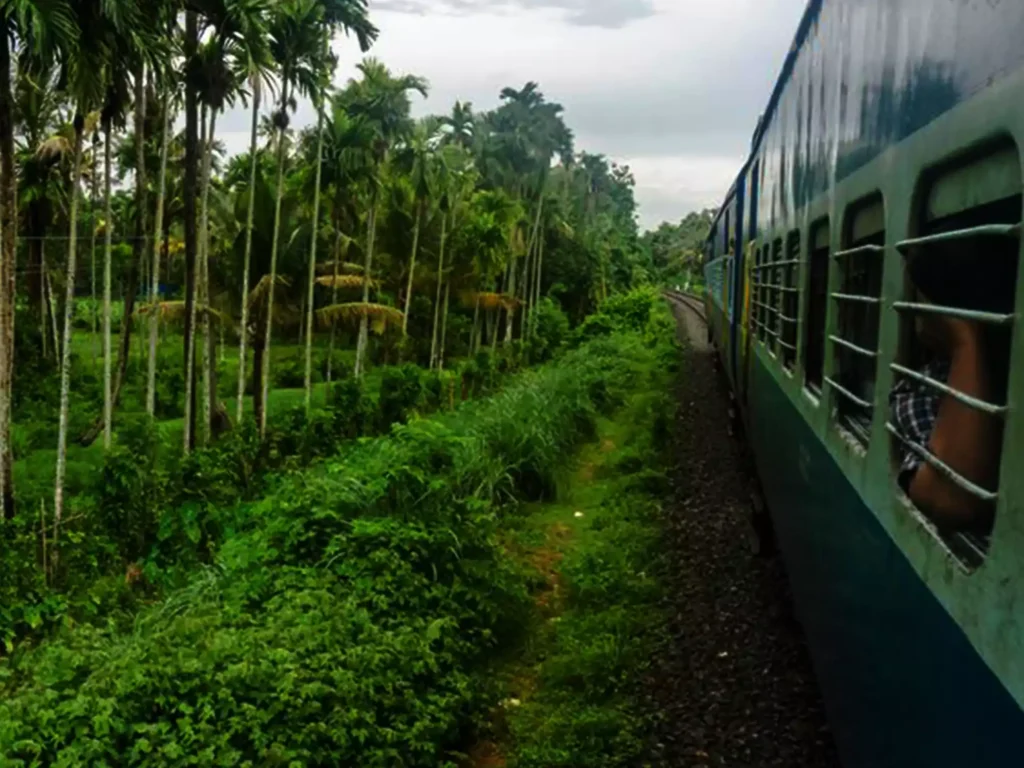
(672, 87)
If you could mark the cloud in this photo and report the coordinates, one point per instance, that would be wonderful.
(611, 14)
(676, 94)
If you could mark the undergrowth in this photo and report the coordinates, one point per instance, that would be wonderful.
(577, 697)
(341, 618)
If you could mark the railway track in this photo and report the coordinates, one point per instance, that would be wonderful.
(733, 684)
(691, 301)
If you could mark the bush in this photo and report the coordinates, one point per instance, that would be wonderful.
(401, 391)
(551, 330)
(345, 614)
(625, 312)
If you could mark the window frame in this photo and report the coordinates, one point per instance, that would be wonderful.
(823, 255)
(871, 244)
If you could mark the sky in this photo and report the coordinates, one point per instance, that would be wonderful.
(672, 88)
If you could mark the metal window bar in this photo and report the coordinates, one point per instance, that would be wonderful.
(985, 230)
(852, 297)
(853, 347)
(861, 250)
(991, 318)
(848, 394)
(938, 464)
(972, 402)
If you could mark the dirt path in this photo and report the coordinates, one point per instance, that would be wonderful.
(734, 685)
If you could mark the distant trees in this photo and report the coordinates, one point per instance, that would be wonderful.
(437, 237)
(676, 249)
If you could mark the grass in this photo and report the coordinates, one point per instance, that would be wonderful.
(593, 552)
(36, 469)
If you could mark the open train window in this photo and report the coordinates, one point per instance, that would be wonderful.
(859, 301)
(949, 400)
(760, 277)
(817, 306)
(775, 297)
(790, 301)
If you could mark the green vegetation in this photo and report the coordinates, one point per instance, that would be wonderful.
(267, 421)
(676, 250)
(346, 615)
(597, 618)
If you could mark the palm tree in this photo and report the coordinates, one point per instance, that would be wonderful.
(319, 96)
(46, 31)
(416, 159)
(296, 35)
(346, 168)
(460, 125)
(382, 100)
(102, 26)
(158, 223)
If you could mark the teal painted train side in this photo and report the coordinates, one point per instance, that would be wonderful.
(893, 122)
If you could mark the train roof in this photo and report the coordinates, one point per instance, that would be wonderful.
(811, 13)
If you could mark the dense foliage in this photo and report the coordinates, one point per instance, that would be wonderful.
(341, 616)
(676, 249)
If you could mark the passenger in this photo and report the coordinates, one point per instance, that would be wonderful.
(966, 356)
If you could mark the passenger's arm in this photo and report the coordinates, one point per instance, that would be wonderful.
(966, 439)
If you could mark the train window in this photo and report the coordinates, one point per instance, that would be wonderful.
(760, 292)
(817, 306)
(790, 301)
(858, 302)
(949, 399)
(775, 298)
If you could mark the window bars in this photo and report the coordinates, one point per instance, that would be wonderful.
(790, 301)
(856, 340)
(989, 318)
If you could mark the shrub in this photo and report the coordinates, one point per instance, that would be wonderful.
(344, 615)
(401, 390)
(550, 330)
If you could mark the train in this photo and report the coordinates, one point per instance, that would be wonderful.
(883, 186)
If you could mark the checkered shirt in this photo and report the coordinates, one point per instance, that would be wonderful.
(915, 407)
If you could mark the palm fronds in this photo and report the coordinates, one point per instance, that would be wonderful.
(259, 294)
(380, 316)
(490, 301)
(174, 311)
(327, 268)
(346, 281)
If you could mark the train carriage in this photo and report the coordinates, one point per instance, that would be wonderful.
(895, 131)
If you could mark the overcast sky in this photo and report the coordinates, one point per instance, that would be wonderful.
(673, 88)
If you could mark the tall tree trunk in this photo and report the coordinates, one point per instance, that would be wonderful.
(537, 278)
(278, 195)
(531, 261)
(364, 323)
(65, 357)
(108, 245)
(154, 290)
(8, 234)
(192, 303)
(312, 258)
(253, 164)
(189, 204)
(95, 195)
(444, 325)
(334, 325)
(412, 266)
(204, 282)
(37, 260)
(437, 298)
(257, 376)
(474, 339)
